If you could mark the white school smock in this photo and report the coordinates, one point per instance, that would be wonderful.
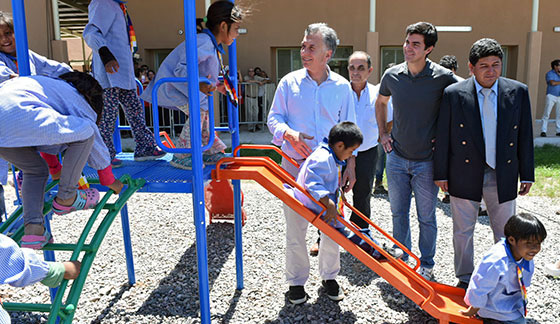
(39, 65)
(107, 27)
(174, 65)
(47, 113)
(302, 105)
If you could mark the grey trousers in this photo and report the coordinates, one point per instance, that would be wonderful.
(465, 214)
(36, 174)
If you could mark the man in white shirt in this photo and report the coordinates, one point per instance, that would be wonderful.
(307, 104)
(365, 94)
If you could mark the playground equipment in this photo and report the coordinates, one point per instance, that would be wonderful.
(64, 310)
(441, 301)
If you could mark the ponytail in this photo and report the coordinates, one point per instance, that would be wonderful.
(219, 11)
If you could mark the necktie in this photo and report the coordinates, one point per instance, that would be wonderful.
(230, 90)
(339, 201)
(522, 287)
(489, 119)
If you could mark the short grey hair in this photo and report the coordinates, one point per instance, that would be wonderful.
(329, 35)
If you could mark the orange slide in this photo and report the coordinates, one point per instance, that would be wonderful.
(441, 301)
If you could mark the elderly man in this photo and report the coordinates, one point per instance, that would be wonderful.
(307, 104)
(416, 87)
(365, 94)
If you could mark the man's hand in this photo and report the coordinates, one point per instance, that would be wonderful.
(442, 184)
(112, 66)
(386, 141)
(71, 269)
(524, 188)
(469, 311)
(297, 140)
(116, 186)
(349, 176)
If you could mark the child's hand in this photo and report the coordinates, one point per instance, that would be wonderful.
(221, 88)
(13, 75)
(469, 311)
(116, 186)
(331, 213)
(56, 176)
(71, 269)
(206, 88)
(112, 66)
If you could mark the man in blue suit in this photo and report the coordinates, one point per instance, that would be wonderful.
(484, 144)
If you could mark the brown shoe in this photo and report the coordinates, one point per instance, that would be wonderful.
(314, 251)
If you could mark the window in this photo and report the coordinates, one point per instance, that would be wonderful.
(391, 54)
(288, 60)
(159, 56)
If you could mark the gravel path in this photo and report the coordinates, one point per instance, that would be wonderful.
(167, 288)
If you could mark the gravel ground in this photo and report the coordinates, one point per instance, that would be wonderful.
(167, 288)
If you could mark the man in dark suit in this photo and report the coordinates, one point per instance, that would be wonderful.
(484, 143)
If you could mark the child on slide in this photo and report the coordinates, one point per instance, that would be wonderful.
(222, 23)
(22, 267)
(44, 115)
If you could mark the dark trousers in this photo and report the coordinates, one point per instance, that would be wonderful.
(366, 162)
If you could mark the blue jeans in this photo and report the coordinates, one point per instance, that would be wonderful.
(404, 177)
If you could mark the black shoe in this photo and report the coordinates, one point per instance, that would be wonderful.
(543, 134)
(462, 285)
(297, 295)
(333, 290)
(380, 190)
(482, 212)
(446, 199)
(557, 134)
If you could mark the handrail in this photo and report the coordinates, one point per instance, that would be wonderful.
(265, 147)
(269, 163)
(155, 115)
(414, 275)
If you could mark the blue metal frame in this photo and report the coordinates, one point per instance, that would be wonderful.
(199, 173)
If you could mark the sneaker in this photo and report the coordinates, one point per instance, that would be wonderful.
(379, 189)
(156, 154)
(462, 284)
(543, 134)
(426, 273)
(333, 290)
(395, 252)
(553, 269)
(446, 199)
(297, 295)
(116, 163)
(211, 159)
(184, 163)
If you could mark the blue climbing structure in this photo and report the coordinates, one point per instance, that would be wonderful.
(159, 176)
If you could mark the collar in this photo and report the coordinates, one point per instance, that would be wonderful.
(524, 264)
(219, 48)
(329, 74)
(120, 1)
(13, 58)
(325, 145)
(363, 91)
(479, 87)
(426, 71)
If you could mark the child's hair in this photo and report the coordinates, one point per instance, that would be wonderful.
(88, 87)
(525, 226)
(222, 10)
(6, 20)
(347, 133)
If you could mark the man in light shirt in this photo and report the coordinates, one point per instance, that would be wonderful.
(307, 104)
(365, 94)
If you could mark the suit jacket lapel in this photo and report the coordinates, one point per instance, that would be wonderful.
(469, 103)
(505, 106)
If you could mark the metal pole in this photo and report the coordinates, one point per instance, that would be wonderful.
(198, 177)
(372, 15)
(56, 20)
(232, 50)
(20, 29)
(535, 16)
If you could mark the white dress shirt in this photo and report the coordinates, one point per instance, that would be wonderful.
(365, 115)
(304, 106)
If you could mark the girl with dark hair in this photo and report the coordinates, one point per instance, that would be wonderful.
(222, 25)
(48, 116)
